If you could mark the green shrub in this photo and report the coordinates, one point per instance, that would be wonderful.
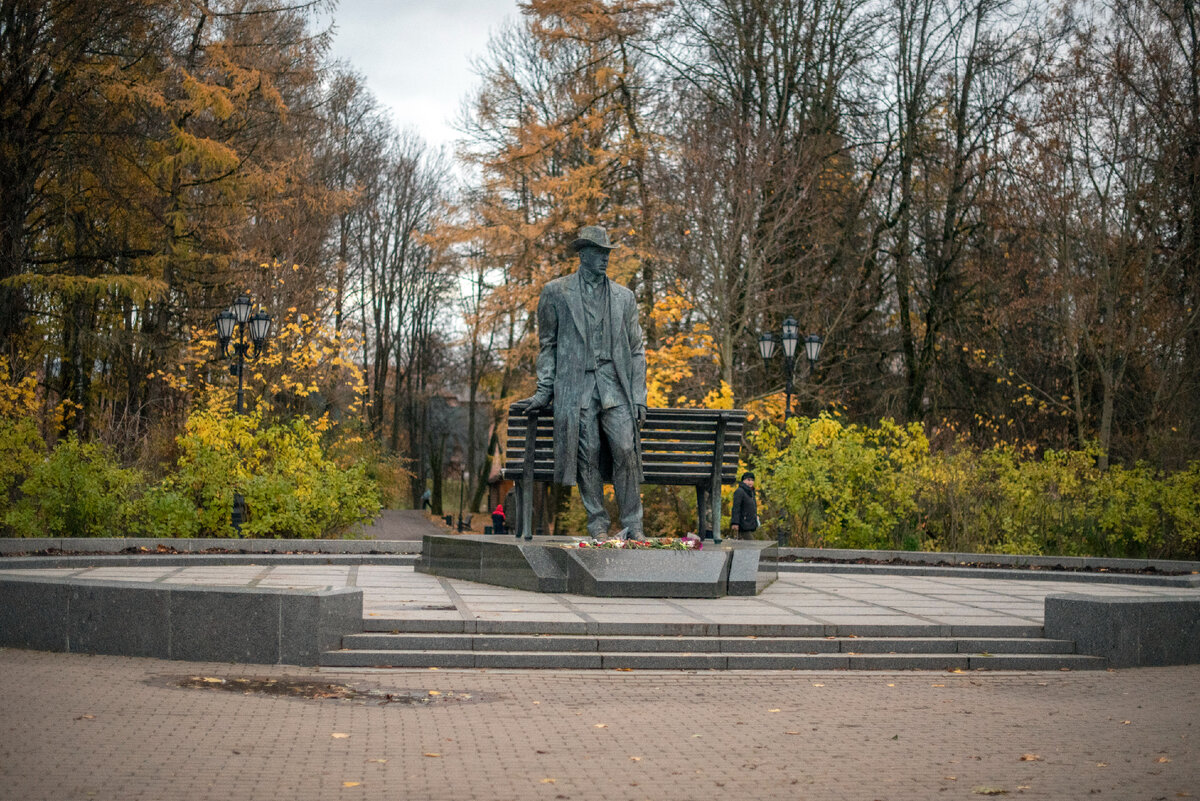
(78, 491)
(162, 512)
(841, 486)
(292, 488)
(838, 485)
(21, 447)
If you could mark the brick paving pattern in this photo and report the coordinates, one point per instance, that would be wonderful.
(99, 727)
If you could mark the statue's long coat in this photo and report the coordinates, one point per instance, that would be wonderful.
(563, 354)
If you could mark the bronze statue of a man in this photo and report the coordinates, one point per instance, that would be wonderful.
(592, 366)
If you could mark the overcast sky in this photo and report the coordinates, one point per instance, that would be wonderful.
(416, 54)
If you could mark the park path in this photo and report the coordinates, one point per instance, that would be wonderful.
(399, 524)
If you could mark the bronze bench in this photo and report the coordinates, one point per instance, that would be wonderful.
(680, 447)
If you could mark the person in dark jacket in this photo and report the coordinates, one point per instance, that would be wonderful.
(744, 517)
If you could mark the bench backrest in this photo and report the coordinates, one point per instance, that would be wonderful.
(678, 446)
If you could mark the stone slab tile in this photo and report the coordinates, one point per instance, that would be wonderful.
(545, 660)
(534, 642)
(659, 644)
(532, 626)
(652, 629)
(663, 661)
(888, 630)
(789, 662)
(898, 645)
(418, 625)
(1003, 645)
(406, 642)
(400, 659)
(1037, 662)
(778, 645)
(749, 629)
(907, 662)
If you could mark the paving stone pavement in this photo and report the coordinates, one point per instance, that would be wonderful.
(120, 729)
(399, 592)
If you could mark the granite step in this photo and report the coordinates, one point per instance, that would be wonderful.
(668, 651)
(457, 625)
(598, 660)
(685, 644)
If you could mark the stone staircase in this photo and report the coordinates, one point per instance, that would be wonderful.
(419, 644)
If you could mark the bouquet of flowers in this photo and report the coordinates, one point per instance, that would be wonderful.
(688, 543)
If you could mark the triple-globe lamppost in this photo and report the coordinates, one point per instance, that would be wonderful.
(258, 327)
(790, 339)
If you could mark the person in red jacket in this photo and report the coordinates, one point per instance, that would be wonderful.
(498, 519)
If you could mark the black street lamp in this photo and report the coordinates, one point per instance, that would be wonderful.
(461, 494)
(790, 339)
(259, 328)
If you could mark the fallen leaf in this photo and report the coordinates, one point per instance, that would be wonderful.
(1126, 722)
(1162, 759)
(891, 685)
(540, 751)
(937, 685)
(86, 717)
(772, 710)
(434, 692)
(1102, 764)
(818, 685)
(380, 761)
(635, 759)
(337, 735)
(351, 784)
(694, 736)
(1030, 758)
(433, 668)
(984, 790)
(791, 732)
(950, 778)
(601, 726)
(432, 754)
(548, 780)
(1024, 786)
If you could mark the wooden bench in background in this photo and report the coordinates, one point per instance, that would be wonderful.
(680, 447)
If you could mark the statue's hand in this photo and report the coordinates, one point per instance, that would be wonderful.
(641, 415)
(539, 401)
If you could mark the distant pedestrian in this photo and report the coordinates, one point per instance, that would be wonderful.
(744, 517)
(426, 499)
(498, 519)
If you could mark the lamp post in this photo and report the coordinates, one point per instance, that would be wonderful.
(790, 339)
(258, 326)
(461, 489)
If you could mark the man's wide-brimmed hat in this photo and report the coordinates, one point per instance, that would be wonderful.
(592, 235)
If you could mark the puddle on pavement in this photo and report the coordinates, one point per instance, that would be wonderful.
(307, 689)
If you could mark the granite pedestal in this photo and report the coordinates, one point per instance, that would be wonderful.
(544, 565)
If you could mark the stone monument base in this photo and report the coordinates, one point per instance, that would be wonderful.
(738, 567)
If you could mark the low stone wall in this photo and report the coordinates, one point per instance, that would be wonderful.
(199, 624)
(1128, 631)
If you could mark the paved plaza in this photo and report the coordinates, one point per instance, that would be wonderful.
(862, 600)
(120, 729)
